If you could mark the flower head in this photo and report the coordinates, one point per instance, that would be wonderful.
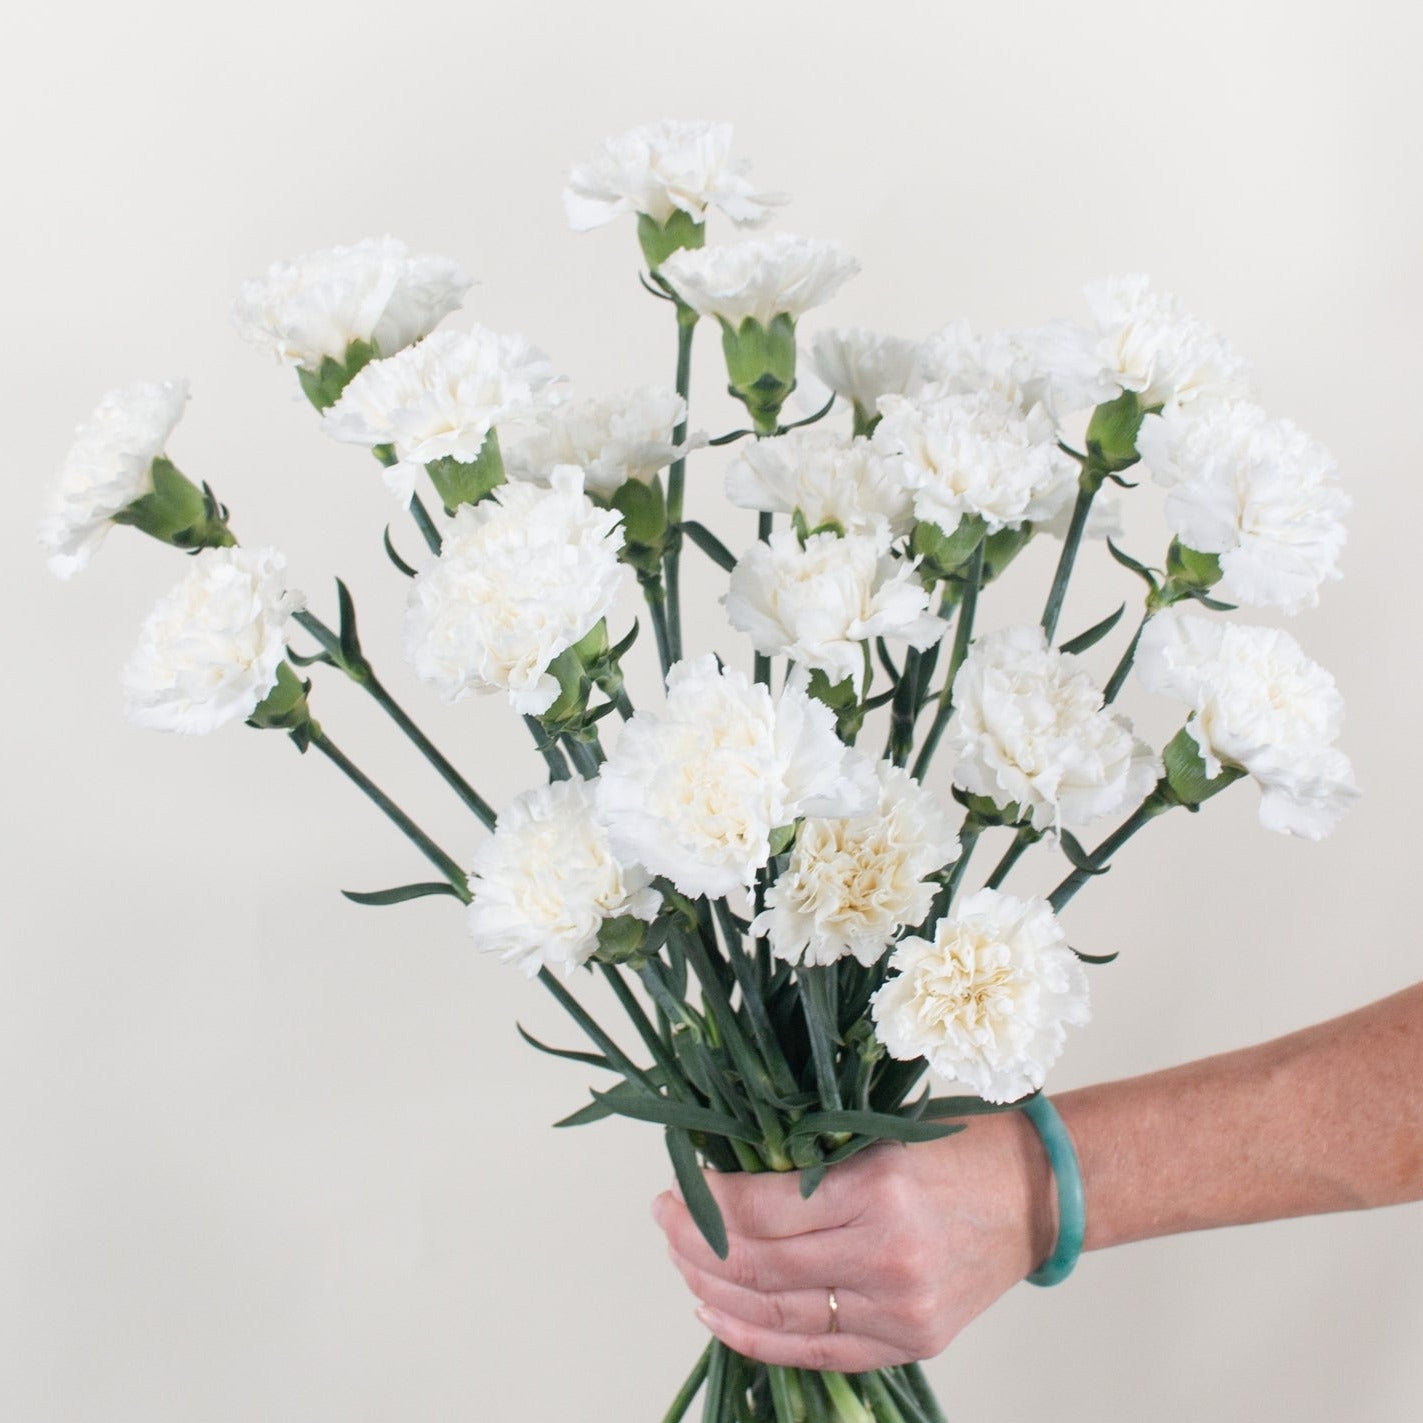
(860, 366)
(1258, 492)
(978, 454)
(438, 400)
(762, 278)
(956, 360)
(694, 792)
(820, 602)
(522, 576)
(829, 477)
(851, 884)
(108, 466)
(374, 292)
(611, 438)
(1144, 341)
(663, 168)
(986, 1001)
(545, 882)
(209, 652)
(1029, 728)
(1259, 704)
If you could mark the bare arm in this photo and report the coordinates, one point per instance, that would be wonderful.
(917, 1241)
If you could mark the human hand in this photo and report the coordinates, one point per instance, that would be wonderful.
(915, 1240)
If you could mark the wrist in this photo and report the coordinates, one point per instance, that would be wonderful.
(1034, 1203)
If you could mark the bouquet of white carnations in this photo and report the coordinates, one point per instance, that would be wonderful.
(786, 918)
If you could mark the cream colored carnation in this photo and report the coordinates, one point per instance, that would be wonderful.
(209, 652)
(694, 791)
(611, 438)
(522, 576)
(988, 1000)
(438, 400)
(962, 455)
(819, 604)
(761, 278)
(545, 882)
(1029, 728)
(829, 477)
(374, 291)
(852, 884)
(108, 466)
(662, 168)
(860, 366)
(1257, 703)
(1258, 492)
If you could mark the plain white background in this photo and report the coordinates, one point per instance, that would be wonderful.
(267, 1155)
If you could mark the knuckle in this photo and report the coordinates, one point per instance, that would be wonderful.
(817, 1354)
(742, 1268)
(776, 1314)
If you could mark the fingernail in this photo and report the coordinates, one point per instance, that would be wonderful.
(659, 1208)
(708, 1316)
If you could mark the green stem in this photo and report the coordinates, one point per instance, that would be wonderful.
(714, 1398)
(676, 484)
(417, 837)
(575, 1010)
(963, 636)
(761, 665)
(914, 1373)
(649, 1035)
(822, 1028)
(363, 674)
(1086, 491)
(1119, 677)
(904, 710)
(688, 1391)
(1149, 809)
(426, 525)
(753, 1003)
(656, 598)
(848, 1408)
(1011, 856)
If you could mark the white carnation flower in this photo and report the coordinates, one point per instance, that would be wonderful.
(988, 1000)
(1144, 341)
(1029, 728)
(956, 360)
(314, 307)
(611, 438)
(860, 366)
(975, 454)
(438, 400)
(1259, 704)
(209, 652)
(545, 882)
(820, 603)
(829, 477)
(851, 884)
(675, 165)
(1260, 493)
(694, 792)
(522, 576)
(761, 278)
(108, 466)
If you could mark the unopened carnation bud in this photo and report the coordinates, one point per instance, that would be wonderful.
(660, 240)
(760, 366)
(285, 708)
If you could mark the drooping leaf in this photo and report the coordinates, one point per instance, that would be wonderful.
(1077, 855)
(709, 544)
(685, 1115)
(695, 1191)
(883, 1126)
(591, 1059)
(394, 557)
(401, 893)
(1093, 958)
(1094, 634)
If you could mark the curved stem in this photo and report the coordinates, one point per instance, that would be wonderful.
(963, 636)
(1086, 491)
(1148, 810)
(676, 484)
(417, 837)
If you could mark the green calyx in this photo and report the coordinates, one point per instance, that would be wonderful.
(468, 481)
(842, 699)
(590, 662)
(1111, 435)
(324, 385)
(285, 708)
(646, 532)
(946, 555)
(1187, 781)
(661, 239)
(621, 940)
(175, 511)
(760, 366)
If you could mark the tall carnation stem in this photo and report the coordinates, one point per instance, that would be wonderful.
(1148, 810)
(676, 484)
(963, 635)
(446, 865)
(364, 676)
(1085, 493)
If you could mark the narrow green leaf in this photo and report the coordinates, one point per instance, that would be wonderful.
(593, 1112)
(350, 641)
(883, 1126)
(968, 1106)
(810, 1178)
(1077, 855)
(401, 893)
(709, 544)
(695, 1191)
(668, 1113)
(1127, 561)
(1094, 958)
(592, 1059)
(395, 558)
(1094, 634)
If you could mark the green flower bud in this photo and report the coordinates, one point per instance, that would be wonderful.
(760, 366)
(177, 512)
(285, 708)
(1112, 432)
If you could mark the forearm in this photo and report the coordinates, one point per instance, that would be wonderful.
(1326, 1119)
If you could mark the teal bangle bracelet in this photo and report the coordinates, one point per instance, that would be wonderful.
(1071, 1207)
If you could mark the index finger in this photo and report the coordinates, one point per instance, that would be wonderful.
(768, 1205)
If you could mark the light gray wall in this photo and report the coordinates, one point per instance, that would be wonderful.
(269, 1156)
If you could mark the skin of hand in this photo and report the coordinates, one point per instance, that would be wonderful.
(916, 1242)
(919, 1240)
